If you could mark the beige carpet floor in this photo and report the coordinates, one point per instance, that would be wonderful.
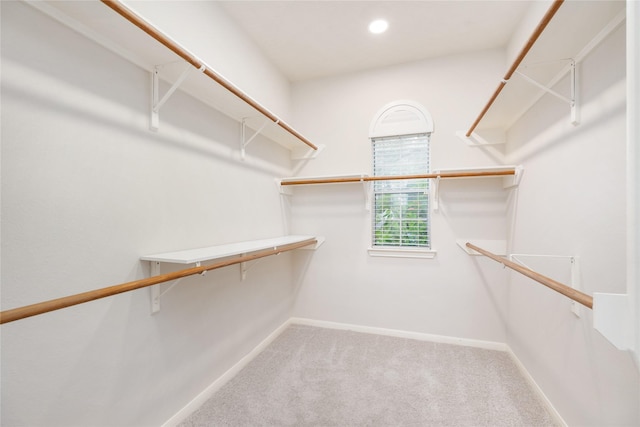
(323, 377)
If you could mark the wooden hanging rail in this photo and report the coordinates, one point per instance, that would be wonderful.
(139, 22)
(565, 290)
(336, 180)
(57, 304)
(530, 42)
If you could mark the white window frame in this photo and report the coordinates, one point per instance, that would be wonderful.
(401, 118)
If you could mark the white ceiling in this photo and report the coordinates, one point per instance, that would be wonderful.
(317, 38)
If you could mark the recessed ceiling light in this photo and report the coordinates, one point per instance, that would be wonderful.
(378, 26)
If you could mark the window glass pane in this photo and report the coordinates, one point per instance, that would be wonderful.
(401, 207)
(401, 219)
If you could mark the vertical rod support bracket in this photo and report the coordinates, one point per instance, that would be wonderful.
(156, 292)
(156, 101)
(366, 187)
(155, 289)
(575, 283)
(244, 142)
(573, 88)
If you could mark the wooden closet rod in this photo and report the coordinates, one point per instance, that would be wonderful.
(56, 304)
(336, 180)
(530, 42)
(565, 290)
(139, 22)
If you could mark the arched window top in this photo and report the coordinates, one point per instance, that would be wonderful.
(401, 118)
(400, 135)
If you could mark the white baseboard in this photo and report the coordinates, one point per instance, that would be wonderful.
(489, 345)
(208, 392)
(192, 406)
(536, 388)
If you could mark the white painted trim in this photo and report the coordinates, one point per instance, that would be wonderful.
(488, 345)
(208, 392)
(422, 124)
(402, 252)
(633, 174)
(536, 388)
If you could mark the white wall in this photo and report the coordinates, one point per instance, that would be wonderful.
(531, 19)
(206, 30)
(572, 202)
(445, 295)
(87, 190)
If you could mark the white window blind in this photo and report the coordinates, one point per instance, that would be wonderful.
(401, 207)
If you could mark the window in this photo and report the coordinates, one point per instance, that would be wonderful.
(400, 216)
(401, 207)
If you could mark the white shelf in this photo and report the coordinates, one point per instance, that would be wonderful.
(508, 181)
(362, 177)
(99, 23)
(219, 252)
(576, 28)
(349, 177)
(194, 256)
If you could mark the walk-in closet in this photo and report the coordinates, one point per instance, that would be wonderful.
(319, 213)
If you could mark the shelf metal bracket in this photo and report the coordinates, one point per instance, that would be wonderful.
(510, 181)
(284, 190)
(244, 141)
(155, 289)
(367, 188)
(436, 194)
(156, 292)
(513, 181)
(306, 153)
(244, 267)
(156, 101)
(576, 283)
(571, 101)
(297, 153)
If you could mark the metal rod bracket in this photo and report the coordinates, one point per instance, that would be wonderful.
(244, 142)
(572, 97)
(156, 292)
(156, 101)
(155, 289)
(575, 273)
(367, 188)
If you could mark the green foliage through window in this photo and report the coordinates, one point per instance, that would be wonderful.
(401, 207)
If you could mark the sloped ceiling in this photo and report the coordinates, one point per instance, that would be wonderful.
(312, 39)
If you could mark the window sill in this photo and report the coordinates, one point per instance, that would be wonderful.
(402, 252)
